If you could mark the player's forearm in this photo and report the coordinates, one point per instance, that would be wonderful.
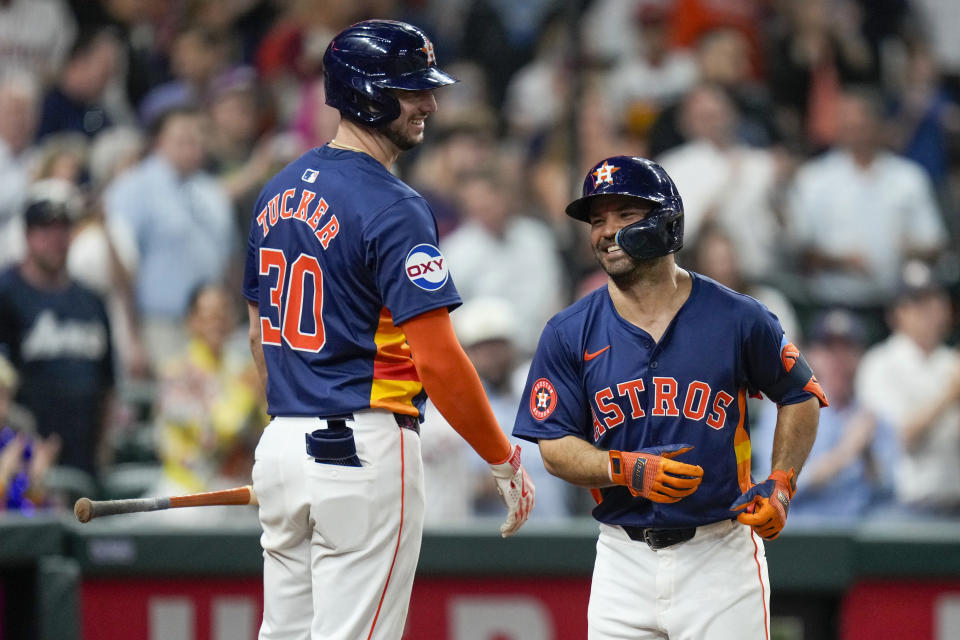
(457, 393)
(576, 461)
(452, 383)
(256, 346)
(795, 433)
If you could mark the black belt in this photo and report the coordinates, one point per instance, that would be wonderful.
(660, 538)
(403, 421)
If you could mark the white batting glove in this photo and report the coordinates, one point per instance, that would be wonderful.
(516, 489)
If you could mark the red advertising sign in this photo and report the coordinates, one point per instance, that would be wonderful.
(440, 608)
(902, 609)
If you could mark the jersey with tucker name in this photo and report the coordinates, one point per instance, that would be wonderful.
(597, 377)
(340, 253)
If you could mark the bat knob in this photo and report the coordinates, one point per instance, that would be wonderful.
(83, 509)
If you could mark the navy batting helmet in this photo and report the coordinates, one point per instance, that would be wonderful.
(364, 61)
(661, 231)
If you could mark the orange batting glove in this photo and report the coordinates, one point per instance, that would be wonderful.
(767, 503)
(652, 474)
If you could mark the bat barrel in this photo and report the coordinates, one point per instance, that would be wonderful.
(133, 505)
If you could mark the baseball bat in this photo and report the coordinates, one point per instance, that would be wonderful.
(86, 509)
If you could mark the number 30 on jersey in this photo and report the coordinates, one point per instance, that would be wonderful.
(288, 296)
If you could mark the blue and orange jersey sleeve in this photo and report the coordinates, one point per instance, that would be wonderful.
(401, 250)
(552, 405)
(395, 381)
(775, 366)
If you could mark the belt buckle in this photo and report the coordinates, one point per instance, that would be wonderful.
(648, 537)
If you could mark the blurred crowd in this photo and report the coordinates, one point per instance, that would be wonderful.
(815, 143)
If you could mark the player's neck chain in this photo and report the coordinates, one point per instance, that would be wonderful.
(339, 145)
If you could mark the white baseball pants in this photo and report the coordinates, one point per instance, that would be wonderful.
(340, 544)
(713, 586)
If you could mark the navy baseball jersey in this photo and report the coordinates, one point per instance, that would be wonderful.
(604, 380)
(340, 253)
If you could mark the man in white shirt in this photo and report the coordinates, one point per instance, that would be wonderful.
(858, 213)
(497, 252)
(19, 110)
(724, 182)
(913, 379)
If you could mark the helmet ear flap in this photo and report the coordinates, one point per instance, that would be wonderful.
(659, 234)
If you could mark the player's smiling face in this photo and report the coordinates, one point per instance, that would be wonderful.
(406, 131)
(609, 214)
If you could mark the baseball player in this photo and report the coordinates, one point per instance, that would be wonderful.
(348, 303)
(639, 392)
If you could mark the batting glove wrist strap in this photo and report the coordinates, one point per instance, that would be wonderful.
(653, 474)
(517, 491)
(764, 506)
(508, 467)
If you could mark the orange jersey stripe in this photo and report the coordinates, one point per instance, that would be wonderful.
(741, 444)
(395, 380)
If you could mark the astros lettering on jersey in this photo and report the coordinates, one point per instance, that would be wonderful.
(377, 258)
(604, 380)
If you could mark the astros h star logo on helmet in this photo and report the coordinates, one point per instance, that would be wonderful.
(427, 48)
(604, 173)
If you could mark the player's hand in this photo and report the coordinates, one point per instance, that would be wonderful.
(516, 489)
(653, 474)
(766, 504)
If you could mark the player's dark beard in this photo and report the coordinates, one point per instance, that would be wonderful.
(626, 279)
(625, 273)
(399, 140)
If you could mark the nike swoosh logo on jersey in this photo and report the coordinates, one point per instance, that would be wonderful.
(587, 356)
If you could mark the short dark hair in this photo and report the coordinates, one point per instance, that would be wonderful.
(160, 122)
(89, 37)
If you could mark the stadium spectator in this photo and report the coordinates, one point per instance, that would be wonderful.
(144, 29)
(240, 156)
(840, 478)
(536, 95)
(104, 258)
(76, 102)
(19, 111)
(209, 405)
(913, 378)
(24, 457)
(456, 148)
(858, 213)
(723, 59)
(498, 252)
(938, 23)
(35, 37)
(181, 221)
(819, 49)
(197, 56)
(656, 74)
(62, 156)
(289, 57)
(725, 182)
(57, 333)
(925, 119)
(12, 414)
